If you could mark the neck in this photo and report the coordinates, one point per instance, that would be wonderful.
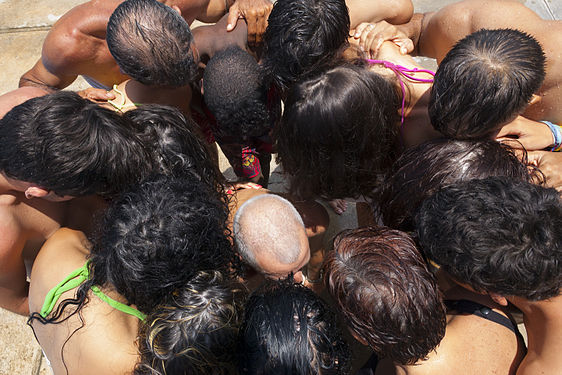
(543, 321)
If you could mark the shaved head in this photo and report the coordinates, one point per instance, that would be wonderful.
(270, 235)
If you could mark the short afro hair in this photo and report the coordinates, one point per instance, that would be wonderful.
(236, 91)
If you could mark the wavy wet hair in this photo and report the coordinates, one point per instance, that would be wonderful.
(196, 331)
(288, 329)
(385, 292)
(339, 132)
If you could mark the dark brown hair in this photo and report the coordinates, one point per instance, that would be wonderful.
(386, 293)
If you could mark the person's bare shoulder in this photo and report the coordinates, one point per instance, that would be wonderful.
(16, 97)
(77, 37)
(442, 29)
(67, 249)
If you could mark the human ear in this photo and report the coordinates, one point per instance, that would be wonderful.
(535, 99)
(500, 300)
(35, 192)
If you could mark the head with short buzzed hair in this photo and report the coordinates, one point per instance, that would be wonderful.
(152, 43)
(270, 236)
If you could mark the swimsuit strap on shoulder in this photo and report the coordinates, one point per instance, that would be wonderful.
(117, 305)
(400, 71)
(72, 281)
(121, 106)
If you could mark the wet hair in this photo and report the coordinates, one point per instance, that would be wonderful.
(302, 34)
(157, 236)
(422, 170)
(174, 144)
(71, 146)
(236, 91)
(497, 235)
(339, 132)
(151, 43)
(196, 331)
(385, 292)
(486, 80)
(288, 329)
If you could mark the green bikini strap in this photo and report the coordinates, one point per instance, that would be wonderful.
(72, 281)
(118, 106)
(118, 305)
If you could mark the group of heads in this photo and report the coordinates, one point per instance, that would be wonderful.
(340, 128)
(61, 146)
(163, 243)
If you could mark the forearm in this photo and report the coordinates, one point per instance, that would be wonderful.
(393, 11)
(15, 299)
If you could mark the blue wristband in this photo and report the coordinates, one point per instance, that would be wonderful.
(556, 134)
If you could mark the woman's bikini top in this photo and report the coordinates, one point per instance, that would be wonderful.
(74, 280)
(123, 106)
(402, 71)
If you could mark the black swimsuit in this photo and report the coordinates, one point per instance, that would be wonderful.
(474, 308)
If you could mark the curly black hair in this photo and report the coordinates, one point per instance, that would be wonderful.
(497, 235)
(175, 145)
(157, 236)
(422, 170)
(302, 34)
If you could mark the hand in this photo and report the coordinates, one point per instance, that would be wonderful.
(531, 135)
(372, 36)
(255, 12)
(96, 95)
(338, 205)
(550, 164)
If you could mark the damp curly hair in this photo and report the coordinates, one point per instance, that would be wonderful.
(174, 144)
(196, 331)
(498, 235)
(422, 170)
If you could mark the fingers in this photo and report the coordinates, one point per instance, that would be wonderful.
(406, 45)
(338, 205)
(358, 30)
(233, 16)
(96, 94)
(509, 129)
(535, 157)
(252, 20)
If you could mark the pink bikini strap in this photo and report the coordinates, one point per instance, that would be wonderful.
(400, 71)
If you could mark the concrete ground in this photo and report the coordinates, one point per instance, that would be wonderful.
(23, 26)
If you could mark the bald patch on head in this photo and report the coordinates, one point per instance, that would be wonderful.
(269, 226)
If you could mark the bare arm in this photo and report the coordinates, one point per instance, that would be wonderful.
(14, 287)
(392, 11)
(41, 77)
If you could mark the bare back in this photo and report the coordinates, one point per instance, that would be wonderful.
(104, 341)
